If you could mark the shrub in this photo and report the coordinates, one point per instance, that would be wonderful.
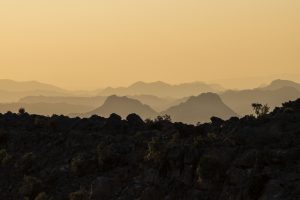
(41, 196)
(256, 185)
(82, 165)
(288, 110)
(155, 151)
(5, 158)
(260, 110)
(3, 137)
(31, 187)
(77, 165)
(82, 194)
(22, 111)
(163, 118)
(3, 154)
(210, 167)
(26, 161)
(148, 121)
(108, 156)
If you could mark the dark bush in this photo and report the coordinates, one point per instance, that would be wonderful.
(108, 156)
(22, 111)
(5, 158)
(210, 167)
(82, 165)
(82, 194)
(31, 187)
(26, 162)
(42, 196)
(156, 151)
(3, 137)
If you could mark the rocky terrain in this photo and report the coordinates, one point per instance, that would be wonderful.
(58, 158)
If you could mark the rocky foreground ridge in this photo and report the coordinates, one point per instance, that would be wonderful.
(43, 158)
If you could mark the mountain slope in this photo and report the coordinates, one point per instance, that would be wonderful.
(240, 101)
(45, 108)
(87, 101)
(12, 91)
(162, 89)
(11, 85)
(123, 106)
(157, 103)
(277, 84)
(200, 109)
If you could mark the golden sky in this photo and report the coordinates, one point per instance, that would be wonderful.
(82, 44)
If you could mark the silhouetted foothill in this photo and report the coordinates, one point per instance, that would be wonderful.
(114, 121)
(114, 118)
(135, 120)
(216, 121)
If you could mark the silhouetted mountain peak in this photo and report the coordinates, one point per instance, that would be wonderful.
(123, 106)
(7, 84)
(279, 83)
(114, 99)
(200, 108)
(163, 89)
(141, 85)
(208, 97)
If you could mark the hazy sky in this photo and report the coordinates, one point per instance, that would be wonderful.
(94, 43)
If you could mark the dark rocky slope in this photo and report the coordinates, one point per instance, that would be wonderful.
(79, 159)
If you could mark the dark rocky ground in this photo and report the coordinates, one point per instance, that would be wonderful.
(43, 158)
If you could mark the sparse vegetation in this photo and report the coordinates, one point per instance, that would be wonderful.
(260, 110)
(210, 167)
(82, 194)
(163, 118)
(5, 158)
(31, 187)
(22, 111)
(42, 196)
(26, 162)
(3, 137)
(155, 150)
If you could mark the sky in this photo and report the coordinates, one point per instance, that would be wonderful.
(84, 44)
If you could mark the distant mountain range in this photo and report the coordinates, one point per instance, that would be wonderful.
(12, 91)
(10, 85)
(277, 84)
(274, 95)
(183, 102)
(44, 108)
(196, 109)
(157, 103)
(86, 101)
(200, 109)
(162, 89)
